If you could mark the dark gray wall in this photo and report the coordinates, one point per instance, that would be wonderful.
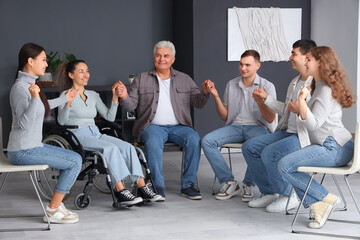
(114, 37)
(210, 49)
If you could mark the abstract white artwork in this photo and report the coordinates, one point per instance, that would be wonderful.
(270, 31)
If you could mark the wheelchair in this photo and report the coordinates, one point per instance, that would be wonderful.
(94, 165)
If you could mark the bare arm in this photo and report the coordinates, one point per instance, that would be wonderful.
(220, 108)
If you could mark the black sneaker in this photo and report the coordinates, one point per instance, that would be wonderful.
(127, 198)
(148, 194)
(191, 193)
(160, 191)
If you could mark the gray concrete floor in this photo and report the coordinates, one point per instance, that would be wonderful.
(176, 218)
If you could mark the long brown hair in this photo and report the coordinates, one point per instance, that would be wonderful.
(32, 50)
(333, 74)
(62, 74)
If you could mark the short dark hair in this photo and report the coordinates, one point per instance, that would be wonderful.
(252, 53)
(305, 45)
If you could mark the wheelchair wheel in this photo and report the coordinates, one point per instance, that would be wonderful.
(80, 201)
(46, 180)
(101, 184)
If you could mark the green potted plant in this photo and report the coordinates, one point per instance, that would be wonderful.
(54, 59)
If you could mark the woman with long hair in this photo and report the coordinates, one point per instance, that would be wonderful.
(28, 112)
(331, 143)
(121, 157)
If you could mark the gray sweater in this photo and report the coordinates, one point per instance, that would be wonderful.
(27, 114)
(323, 117)
(82, 113)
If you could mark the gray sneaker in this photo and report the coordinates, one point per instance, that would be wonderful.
(246, 193)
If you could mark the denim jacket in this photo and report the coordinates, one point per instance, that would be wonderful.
(281, 108)
(144, 96)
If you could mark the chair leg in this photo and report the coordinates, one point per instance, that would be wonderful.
(321, 233)
(42, 206)
(2, 184)
(301, 203)
(351, 192)
(340, 192)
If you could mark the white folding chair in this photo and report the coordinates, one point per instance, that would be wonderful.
(346, 171)
(7, 167)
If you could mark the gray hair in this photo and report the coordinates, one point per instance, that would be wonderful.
(165, 44)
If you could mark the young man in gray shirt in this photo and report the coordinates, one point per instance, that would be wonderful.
(246, 116)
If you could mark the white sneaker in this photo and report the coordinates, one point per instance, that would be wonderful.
(228, 189)
(246, 193)
(263, 201)
(61, 215)
(280, 204)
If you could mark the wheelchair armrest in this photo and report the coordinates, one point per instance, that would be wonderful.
(109, 128)
(66, 126)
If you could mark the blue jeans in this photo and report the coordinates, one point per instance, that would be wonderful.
(120, 156)
(330, 154)
(155, 136)
(68, 162)
(229, 134)
(262, 155)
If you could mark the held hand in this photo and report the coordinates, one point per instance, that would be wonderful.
(121, 90)
(34, 90)
(209, 87)
(259, 95)
(304, 92)
(71, 94)
(294, 106)
(115, 97)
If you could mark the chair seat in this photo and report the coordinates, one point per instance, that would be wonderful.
(5, 166)
(329, 170)
(232, 145)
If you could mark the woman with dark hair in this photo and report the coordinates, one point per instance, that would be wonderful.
(28, 112)
(331, 143)
(121, 157)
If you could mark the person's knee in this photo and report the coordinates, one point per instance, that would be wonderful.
(193, 140)
(283, 167)
(246, 147)
(267, 155)
(77, 160)
(207, 141)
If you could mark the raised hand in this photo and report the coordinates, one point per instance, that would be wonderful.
(209, 87)
(121, 90)
(71, 94)
(115, 97)
(304, 92)
(34, 90)
(259, 95)
(294, 106)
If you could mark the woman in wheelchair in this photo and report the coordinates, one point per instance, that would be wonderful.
(29, 107)
(331, 143)
(120, 156)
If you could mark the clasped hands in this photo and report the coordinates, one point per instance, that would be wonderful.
(294, 106)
